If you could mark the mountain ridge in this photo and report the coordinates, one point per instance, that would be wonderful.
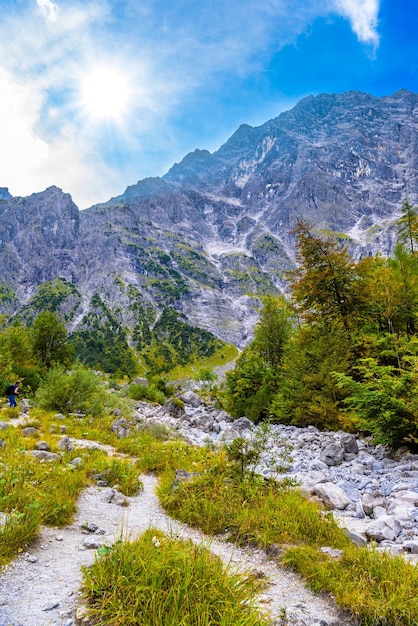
(215, 232)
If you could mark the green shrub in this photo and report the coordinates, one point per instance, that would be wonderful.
(142, 392)
(76, 391)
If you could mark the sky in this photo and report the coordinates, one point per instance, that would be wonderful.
(96, 95)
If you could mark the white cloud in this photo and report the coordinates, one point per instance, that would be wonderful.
(363, 17)
(21, 151)
(48, 9)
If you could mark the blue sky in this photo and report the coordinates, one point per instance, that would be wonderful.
(96, 95)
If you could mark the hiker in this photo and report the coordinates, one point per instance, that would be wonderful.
(12, 391)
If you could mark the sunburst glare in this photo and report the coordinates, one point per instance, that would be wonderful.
(105, 94)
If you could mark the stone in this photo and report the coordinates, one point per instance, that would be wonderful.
(331, 495)
(107, 495)
(143, 382)
(411, 546)
(50, 606)
(111, 495)
(243, 425)
(30, 558)
(229, 434)
(29, 431)
(44, 455)
(349, 443)
(378, 511)
(385, 528)
(192, 398)
(332, 454)
(92, 543)
(81, 616)
(77, 462)
(119, 499)
(183, 476)
(90, 527)
(334, 553)
(372, 500)
(65, 444)
(43, 445)
(24, 406)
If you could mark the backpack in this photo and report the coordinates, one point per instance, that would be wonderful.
(10, 390)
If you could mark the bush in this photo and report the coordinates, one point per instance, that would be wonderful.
(76, 391)
(141, 392)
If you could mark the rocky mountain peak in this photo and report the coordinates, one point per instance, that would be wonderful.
(4, 193)
(215, 231)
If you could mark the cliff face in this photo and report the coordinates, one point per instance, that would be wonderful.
(217, 228)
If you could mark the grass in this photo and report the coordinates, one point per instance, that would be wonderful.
(377, 589)
(251, 511)
(34, 492)
(221, 357)
(160, 581)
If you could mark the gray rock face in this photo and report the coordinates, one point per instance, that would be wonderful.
(219, 226)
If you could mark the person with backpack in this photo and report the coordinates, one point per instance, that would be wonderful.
(11, 392)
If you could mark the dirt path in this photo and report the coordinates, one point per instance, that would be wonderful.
(41, 588)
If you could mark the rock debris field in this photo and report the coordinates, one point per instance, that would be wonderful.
(372, 494)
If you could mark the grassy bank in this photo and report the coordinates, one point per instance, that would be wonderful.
(376, 589)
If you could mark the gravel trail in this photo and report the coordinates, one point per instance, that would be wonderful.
(42, 587)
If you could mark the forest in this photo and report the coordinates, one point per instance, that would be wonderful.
(340, 350)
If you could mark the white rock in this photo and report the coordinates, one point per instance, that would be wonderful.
(334, 497)
(386, 527)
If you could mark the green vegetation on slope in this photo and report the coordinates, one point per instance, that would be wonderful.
(342, 352)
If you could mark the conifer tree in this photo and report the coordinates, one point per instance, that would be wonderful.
(408, 227)
(324, 286)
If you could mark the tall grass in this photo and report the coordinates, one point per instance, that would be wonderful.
(34, 492)
(378, 589)
(159, 581)
(252, 511)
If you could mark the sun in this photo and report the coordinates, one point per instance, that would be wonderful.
(105, 94)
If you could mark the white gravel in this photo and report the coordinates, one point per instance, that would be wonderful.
(42, 587)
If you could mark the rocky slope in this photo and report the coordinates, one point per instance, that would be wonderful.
(216, 230)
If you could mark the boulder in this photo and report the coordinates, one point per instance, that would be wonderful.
(29, 431)
(42, 445)
(332, 454)
(372, 500)
(243, 425)
(331, 495)
(113, 496)
(349, 443)
(384, 528)
(44, 455)
(192, 398)
(411, 546)
(143, 382)
(65, 444)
